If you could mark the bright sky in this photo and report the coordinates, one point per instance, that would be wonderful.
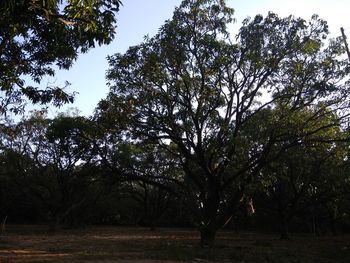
(138, 18)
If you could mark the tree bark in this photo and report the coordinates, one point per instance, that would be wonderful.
(54, 225)
(3, 225)
(284, 227)
(208, 233)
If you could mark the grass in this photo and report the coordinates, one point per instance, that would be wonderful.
(114, 244)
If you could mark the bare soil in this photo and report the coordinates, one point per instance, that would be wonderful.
(139, 245)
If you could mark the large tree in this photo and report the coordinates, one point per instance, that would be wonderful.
(201, 95)
(37, 36)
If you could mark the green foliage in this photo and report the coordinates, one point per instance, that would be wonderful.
(224, 108)
(54, 167)
(308, 176)
(36, 36)
(194, 118)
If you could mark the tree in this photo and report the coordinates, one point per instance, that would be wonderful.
(301, 178)
(37, 36)
(195, 92)
(146, 174)
(55, 165)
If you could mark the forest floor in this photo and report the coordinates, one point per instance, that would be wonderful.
(139, 245)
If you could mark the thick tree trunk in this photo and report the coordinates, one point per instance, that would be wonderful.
(153, 224)
(54, 225)
(284, 232)
(333, 223)
(284, 227)
(3, 225)
(332, 212)
(208, 234)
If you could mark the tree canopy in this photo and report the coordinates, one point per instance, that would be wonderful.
(38, 36)
(52, 162)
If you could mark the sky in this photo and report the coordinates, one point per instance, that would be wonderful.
(138, 18)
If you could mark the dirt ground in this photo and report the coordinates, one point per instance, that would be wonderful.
(139, 245)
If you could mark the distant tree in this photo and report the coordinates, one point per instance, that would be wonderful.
(329, 193)
(54, 167)
(37, 36)
(195, 92)
(301, 178)
(147, 176)
(15, 204)
(152, 178)
(141, 204)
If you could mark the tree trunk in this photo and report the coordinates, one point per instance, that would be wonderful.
(284, 227)
(333, 220)
(3, 225)
(333, 226)
(53, 225)
(208, 234)
(153, 224)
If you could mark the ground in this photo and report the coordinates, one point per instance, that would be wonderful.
(139, 245)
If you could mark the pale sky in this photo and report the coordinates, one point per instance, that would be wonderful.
(138, 18)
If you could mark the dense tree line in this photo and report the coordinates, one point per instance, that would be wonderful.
(56, 171)
(197, 127)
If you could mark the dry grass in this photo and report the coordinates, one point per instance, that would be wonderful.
(126, 245)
